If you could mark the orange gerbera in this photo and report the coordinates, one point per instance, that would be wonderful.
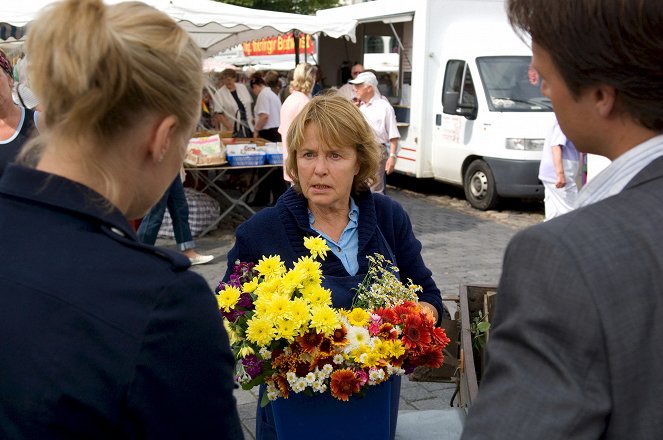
(440, 337)
(415, 332)
(309, 341)
(431, 358)
(339, 336)
(388, 315)
(344, 383)
(387, 332)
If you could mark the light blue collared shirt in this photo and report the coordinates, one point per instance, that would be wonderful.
(348, 245)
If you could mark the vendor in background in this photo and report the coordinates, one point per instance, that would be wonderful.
(333, 158)
(232, 104)
(16, 122)
(267, 110)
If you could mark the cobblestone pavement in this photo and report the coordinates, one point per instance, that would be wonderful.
(460, 245)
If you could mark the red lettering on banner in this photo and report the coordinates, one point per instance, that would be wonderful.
(282, 44)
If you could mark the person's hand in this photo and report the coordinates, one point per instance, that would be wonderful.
(561, 181)
(391, 164)
(429, 311)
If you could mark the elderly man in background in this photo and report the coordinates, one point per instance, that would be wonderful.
(382, 119)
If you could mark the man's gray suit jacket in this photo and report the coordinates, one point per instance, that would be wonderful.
(576, 349)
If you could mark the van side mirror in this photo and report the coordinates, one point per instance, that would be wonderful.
(451, 106)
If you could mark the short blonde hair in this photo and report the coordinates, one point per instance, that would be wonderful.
(339, 123)
(99, 70)
(303, 78)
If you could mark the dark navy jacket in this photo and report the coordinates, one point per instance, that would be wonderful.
(281, 230)
(100, 335)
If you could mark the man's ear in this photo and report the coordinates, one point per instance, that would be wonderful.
(605, 97)
(162, 137)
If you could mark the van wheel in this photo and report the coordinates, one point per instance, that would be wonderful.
(479, 185)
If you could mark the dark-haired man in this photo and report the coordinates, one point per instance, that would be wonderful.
(575, 350)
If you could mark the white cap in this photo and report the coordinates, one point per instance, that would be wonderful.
(365, 78)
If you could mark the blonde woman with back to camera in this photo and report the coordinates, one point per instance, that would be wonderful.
(102, 336)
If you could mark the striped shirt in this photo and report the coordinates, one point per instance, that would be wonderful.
(621, 171)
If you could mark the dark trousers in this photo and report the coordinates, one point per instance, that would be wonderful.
(175, 200)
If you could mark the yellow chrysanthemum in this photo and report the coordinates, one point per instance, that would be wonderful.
(299, 311)
(316, 295)
(382, 348)
(228, 297)
(293, 279)
(317, 246)
(311, 268)
(270, 267)
(287, 329)
(358, 317)
(325, 320)
(396, 348)
(359, 351)
(370, 359)
(260, 331)
(278, 307)
(250, 286)
(268, 287)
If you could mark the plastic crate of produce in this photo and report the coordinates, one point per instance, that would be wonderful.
(274, 158)
(246, 160)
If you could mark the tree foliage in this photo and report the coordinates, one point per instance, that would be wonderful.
(307, 7)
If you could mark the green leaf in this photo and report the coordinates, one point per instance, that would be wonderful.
(264, 401)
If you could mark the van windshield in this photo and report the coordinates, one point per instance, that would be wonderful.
(511, 85)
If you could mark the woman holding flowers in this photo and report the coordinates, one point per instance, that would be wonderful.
(333, 158)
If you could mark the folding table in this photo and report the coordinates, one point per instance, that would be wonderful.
(212, 183)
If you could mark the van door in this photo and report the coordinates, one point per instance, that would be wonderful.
(455, 117)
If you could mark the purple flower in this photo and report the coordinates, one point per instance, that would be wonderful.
(245, 301)
(232, 315)
(252, 365)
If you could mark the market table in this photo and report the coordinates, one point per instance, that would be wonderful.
(212, 184)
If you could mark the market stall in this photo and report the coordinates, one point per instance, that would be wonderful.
(214, 26)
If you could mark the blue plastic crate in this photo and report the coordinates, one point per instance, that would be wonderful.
(274, 158)
(246, 160)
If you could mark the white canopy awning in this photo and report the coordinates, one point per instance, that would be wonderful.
(214, 26)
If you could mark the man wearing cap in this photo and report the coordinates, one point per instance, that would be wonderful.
(381, 117)
(347, 89)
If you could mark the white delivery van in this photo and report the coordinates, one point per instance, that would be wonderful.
(468, 111)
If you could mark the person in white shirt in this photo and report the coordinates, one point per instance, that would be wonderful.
(234, 104)
(267, 110)
(382, 119)
(559, 169)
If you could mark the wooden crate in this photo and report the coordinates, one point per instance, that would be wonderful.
(472, 299)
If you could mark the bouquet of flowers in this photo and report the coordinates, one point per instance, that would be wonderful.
(285, 333)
